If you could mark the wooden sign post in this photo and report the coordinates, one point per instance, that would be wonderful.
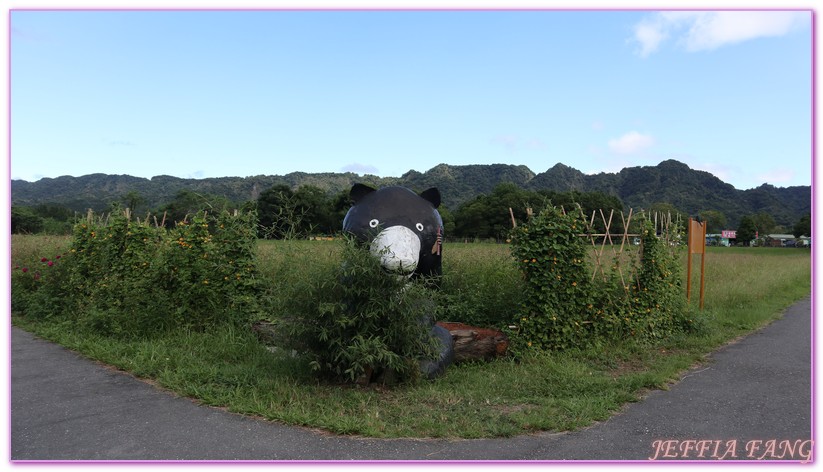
(697, 245)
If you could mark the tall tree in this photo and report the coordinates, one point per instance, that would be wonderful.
(25, 221)
(315, 207)
(449, 222)
(133, 200)
(715, 220)
(488, 216)
(763, 223)
(803, 227)
(186, 203)
(746, 229)
(277, 213)
(340, 205)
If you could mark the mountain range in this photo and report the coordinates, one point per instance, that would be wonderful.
(673, 182)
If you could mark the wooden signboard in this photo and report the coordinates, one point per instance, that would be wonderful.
(697, 237)
(697, 245)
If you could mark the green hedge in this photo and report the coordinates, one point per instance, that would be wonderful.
(123, 277)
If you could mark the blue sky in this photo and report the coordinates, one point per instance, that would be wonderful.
(238, 93)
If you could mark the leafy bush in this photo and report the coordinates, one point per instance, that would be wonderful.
(361, 321)
(128, 278)
(39, 289)
(564, 308)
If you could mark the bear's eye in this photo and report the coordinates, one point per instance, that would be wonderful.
(374, 223)
(419, 226)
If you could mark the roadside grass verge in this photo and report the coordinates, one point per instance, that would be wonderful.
(228, 367)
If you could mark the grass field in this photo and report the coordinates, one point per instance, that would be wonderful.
(745, 289)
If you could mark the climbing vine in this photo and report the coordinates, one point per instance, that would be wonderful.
(565, 307)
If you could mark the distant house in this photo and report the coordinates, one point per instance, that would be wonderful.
(723, 239)
(779, 240)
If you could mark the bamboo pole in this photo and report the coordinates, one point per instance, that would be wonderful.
(689, 267)
(703, 267)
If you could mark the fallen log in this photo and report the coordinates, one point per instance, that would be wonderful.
(470, 342)
(474, 343)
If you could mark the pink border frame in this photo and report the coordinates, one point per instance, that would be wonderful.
(449, 9)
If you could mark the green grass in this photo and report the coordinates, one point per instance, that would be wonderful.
(745, 289)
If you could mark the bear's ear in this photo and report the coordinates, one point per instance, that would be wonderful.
(358, 191)
(432, 195)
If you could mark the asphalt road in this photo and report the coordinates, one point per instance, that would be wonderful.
(751, 401)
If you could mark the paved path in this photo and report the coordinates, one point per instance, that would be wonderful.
(64, 407)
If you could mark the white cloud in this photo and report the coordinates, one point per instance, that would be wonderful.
(746, 177)
(699, 31)
(721, 28)
(649, 34)
(631, 143)
(508, 141)
(777, 176)
(723, 172)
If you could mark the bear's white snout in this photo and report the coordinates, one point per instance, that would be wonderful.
(398, 248)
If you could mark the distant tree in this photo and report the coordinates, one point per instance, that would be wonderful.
(57, 227)
(340, 205)
(668, 208)
(25, 221)
(133, 200)
(55, 211)
(448, 221)
(277, 213)
(803, 227)
(715, 220)
(287, 214)
(56, 218)
(597, 201)
(590, 203)
(746, 229)
(187, 203)
(472, 219)
(316, 210)
(763, 223)
(488, 216)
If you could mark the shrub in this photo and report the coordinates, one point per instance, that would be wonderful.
(360, 321)
(39, 289)
(129, 278)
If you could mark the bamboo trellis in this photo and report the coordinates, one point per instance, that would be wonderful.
(621, 242)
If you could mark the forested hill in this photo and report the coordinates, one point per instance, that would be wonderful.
(670, 181)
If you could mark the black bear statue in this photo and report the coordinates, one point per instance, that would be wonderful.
(405, 231)
(403, 228)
